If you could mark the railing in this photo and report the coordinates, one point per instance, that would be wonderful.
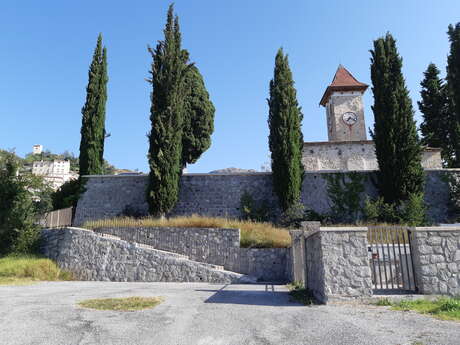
(391, 258)
(57, 219)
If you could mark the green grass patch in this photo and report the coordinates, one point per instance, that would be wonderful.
(253, 234)
(300, 294)
(444, 308)
(21, 270)
(122, 304)
(383, 302)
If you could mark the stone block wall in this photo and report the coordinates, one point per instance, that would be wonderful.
(338, 263)
(436, 257)
(92, 257)
(314, 266)
(216, 246)
(213, 246)
(220, 194)
(298, 268)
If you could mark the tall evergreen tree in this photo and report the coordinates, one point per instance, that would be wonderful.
(169, 68)
(397, 145)
(198, 118)
(436, 117)
(453, 89)
(285, 138)
(93, 120)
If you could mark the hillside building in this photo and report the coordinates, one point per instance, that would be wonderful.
(55, 172)
(37, 149)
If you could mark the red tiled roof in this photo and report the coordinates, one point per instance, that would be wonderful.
(343, 81)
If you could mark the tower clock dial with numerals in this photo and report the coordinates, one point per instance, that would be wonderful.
(350, 118)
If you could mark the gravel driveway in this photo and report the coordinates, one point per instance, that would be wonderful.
(200, 313)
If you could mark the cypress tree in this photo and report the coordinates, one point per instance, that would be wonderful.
(434, 108)
(285, 138)
(93, 120)
(169, 68)
(397, 145)
(453, 89)
(198, 118)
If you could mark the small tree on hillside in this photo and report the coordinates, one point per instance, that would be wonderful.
(285, 138)
(93, 120)
(397, 145)
(169, 69)
(198, 122)
(453, 90)
(436, 117)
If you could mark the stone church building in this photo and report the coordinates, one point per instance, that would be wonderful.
(348, 148)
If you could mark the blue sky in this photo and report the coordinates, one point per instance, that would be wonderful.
(46, 48)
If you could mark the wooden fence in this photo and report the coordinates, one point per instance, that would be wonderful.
(57, 219)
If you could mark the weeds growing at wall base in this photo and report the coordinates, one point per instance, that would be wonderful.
(444, 308)
(300, 294)
(253, 234)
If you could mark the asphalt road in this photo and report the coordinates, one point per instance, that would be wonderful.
(202, 314)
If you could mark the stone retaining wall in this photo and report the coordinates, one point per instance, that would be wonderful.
(92, 257)
(220, 194)
(213, 246)
(436, 257)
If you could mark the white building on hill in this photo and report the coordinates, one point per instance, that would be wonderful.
(55, 172)
(37, 149)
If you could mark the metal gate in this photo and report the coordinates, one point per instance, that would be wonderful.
(391, 258)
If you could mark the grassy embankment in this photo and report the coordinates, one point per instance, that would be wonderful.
(444, 308)
(253, 234)
(21, 270)
(122, 304)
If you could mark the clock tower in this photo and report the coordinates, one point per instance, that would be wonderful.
(344, 107)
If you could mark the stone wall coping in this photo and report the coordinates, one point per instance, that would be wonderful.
(364, 229)
(338, 143)
(437, 228)
(257, 173)
(260, 173)
(162, 227)
(343, 228)
(70, 228)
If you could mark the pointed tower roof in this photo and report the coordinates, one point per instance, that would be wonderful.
(343, 81)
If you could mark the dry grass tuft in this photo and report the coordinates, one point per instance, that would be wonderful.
(122, 304)
(253, 234)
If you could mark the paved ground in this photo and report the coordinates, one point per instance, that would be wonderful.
(203, 314)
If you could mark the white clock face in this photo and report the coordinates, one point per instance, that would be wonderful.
(350, 118)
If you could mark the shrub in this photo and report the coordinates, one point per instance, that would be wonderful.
(410, 212)
(68, 194)
(293, 216)
(252, 210)
(453, 182)
(345, 193)
(131, 211)
(413, 211)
